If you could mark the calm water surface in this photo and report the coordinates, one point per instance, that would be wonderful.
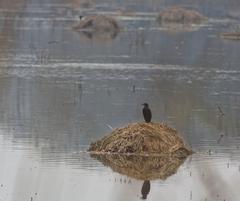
(61, 90)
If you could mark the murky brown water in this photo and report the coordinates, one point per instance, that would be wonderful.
(60, 90)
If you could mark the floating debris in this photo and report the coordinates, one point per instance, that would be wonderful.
(231, 35)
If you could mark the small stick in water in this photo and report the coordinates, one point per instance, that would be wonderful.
(109, 126)
(133, 88)
(219, 139)
(220, 110)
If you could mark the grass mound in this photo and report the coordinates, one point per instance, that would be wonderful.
(142, 139)
(101, 23)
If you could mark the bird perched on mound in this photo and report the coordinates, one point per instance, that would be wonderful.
(147, 114)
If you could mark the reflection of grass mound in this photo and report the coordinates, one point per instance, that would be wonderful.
(142, 167)
(99, 36)
(141, 138)
(181, 16)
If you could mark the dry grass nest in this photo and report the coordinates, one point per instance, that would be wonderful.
(180, 15)
(142, 139)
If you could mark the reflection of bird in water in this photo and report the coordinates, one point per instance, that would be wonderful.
(147, 113)
(145, 189)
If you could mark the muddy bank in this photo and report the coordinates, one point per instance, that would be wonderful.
(141, 138)
(142, 167)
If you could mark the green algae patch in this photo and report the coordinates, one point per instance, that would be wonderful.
(142, 139)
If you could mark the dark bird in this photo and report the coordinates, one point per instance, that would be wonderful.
(145, 189)
(147, 114)
(81, 17)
